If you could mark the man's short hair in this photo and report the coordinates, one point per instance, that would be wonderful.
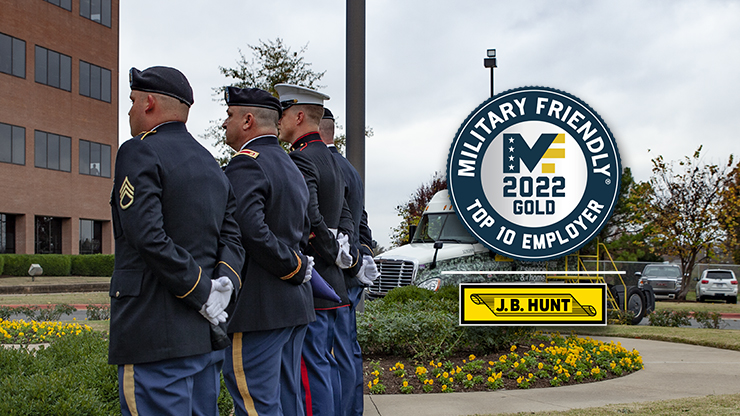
(265, 116)
(313, 113)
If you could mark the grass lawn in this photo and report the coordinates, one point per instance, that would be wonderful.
(717, 338)
(693, 306)
(56, 298)
(693, 406)
(100, 326)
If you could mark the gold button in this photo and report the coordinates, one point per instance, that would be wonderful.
(118, 294)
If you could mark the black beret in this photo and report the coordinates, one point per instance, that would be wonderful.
(162, 80)
(252, 97)
(327, 114)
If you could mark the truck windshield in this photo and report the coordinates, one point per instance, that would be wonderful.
(661, 271)
(441, 227)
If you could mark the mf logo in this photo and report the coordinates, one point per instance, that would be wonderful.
(519, 151)
(534, 173)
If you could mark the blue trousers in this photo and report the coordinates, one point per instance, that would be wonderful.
(178, 386)
(349, 356)
(321, 381)
(262, 372)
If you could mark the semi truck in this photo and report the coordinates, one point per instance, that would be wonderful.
(440, 243)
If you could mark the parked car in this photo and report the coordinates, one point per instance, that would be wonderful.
(664, 278)
(717, 284)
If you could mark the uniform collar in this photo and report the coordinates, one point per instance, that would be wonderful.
(306, 139)
(255, 138)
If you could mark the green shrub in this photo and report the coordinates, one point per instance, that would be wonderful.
(709, 319)
(5, 312)
(2, 264)
(426, 327)
(97, 313)
(620, 317)
(53, 314)
(406, 294)
(53, 264)
(92, 265)
(71, 376)
(667, 317)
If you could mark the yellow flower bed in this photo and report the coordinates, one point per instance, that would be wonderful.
(33, 332)
(553, 361)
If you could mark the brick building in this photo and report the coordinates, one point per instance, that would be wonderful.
(58, 124)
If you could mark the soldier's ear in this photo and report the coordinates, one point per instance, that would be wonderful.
(150, 103)
(300, 117)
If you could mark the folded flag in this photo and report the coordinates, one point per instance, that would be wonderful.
(322, 289)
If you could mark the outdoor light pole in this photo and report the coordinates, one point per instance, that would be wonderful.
(355, 95)
(490, 62)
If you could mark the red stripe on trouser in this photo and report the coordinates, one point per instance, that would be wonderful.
(306, 388)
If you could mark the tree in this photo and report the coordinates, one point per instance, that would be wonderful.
(729, 214)
(683, 209)
(625, 235)
(412, 210)
(272, 63)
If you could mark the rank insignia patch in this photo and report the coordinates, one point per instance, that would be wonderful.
(250, 153)
(126, 194)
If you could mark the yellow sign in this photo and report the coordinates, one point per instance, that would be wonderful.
(532, 304)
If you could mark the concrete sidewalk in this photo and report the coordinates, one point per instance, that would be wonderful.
(671, 371)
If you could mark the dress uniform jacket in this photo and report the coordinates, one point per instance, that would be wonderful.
(326, 209)
(272, 202)
(174, 229)
(356, 203)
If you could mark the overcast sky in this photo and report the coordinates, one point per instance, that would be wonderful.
(664, 75)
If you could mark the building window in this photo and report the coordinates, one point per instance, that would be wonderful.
(91, 237)
(94, 81)
(48, 235)
(94, 159)
(53, 151)
(12, 56)
(64, 4)
(53, 69)
(96, 10)
(12, 144)
(7, 233)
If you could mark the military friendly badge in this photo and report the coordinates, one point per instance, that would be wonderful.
(126, 194)
(534, 173)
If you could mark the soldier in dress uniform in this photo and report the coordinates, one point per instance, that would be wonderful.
(331, 228)
(346, 348)
(178, 254)
(268, 323)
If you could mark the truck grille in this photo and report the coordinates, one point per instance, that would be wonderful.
(393, 274)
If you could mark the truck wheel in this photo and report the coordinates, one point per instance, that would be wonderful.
(732, 300)
(636, 304)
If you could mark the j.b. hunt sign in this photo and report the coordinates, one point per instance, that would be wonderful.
(534, 173)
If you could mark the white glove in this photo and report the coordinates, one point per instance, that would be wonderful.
(309, 269)
(218, 300)
(368, 272)
(344, 258)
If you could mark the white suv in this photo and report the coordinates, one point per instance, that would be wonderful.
(717, 284)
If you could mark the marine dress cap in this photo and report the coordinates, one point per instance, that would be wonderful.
(327, 114)
(291, 95)
(162, 80)
(252, 97)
